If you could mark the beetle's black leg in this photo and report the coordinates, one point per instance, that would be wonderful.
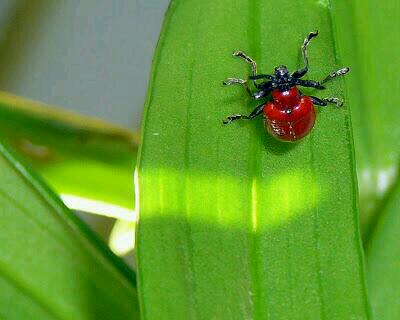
(262, 76)
(325, 101)
(256, 112)
(261, 94)
(309, 83)
(333, 75)
(301, 72)
(266, 90)
(318, 101)
(246, 58)
(266, 87)
(337, 101)
(243, 82)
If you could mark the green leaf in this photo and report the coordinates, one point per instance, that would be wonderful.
(51, 265)
(383, 259)
(233, 224)
(371, 42)
(367, 33)
(73, 153)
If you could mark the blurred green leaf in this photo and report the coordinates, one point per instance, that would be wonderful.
(372, 43)
(368, 36)
(51, 265)
(77, 155)
(383, 261)
(233, 224)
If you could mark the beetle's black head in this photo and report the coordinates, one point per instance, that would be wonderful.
(282, 73)
(282, 78)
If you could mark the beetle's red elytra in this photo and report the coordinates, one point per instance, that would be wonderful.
(288, 114)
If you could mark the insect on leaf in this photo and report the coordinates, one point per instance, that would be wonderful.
(234, 224)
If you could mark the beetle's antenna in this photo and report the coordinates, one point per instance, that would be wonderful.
(301, 72)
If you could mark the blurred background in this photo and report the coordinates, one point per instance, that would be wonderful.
(73, 83)
(92, 58)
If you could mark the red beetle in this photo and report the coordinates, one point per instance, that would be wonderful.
(289, 115)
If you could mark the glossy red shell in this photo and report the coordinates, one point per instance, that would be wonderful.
(289, 116)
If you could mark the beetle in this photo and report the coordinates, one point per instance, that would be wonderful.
(288, 114)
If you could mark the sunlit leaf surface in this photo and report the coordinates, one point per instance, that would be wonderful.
(233, 224)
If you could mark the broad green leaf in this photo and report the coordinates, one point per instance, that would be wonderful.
(383, 261)
(367, 33)
(78, 156)
(233, 224)
(51, 265)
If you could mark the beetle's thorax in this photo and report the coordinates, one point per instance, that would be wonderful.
(287, 99)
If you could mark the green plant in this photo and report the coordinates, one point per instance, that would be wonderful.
(364, 30)
(233, 224)
(57, 142)
(247, 227)
(51, 265)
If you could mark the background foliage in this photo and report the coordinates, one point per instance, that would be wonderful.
(233, 224)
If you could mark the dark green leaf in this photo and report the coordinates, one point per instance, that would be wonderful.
(51, 265)
(383, 261)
